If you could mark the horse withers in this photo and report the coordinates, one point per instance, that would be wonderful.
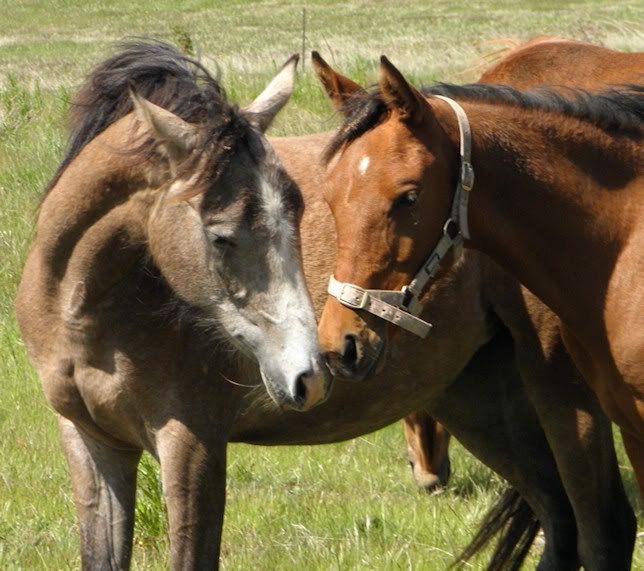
(179, 212)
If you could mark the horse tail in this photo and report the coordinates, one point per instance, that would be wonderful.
(157, 71)
(517, 524)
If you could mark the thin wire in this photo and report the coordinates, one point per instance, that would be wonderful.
(240, 384)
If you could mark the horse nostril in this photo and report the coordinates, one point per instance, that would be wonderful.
(350, 355)
(300, 389)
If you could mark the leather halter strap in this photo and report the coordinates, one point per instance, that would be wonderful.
(402, 307)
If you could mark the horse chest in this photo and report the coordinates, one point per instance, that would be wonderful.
(97, 399)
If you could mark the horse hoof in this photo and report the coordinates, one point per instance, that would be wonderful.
(430, 482)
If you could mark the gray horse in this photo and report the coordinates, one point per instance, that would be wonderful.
(157, 219)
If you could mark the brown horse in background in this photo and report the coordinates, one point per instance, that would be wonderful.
(564, 63)
(539, 62)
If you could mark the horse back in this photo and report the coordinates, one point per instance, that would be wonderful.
(548, 62)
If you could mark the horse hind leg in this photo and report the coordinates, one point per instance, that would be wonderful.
(104, 483)
(582, 443)
(428, 449)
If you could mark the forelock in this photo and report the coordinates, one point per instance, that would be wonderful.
(362, 113)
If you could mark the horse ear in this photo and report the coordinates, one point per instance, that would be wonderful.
(176, 137)
(338, 87)
(398, 93)
(269, 102)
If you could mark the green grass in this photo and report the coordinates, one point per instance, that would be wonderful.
(346, 506)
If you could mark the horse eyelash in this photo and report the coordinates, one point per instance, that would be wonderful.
(221, 240)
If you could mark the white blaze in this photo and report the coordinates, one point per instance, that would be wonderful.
(290, 344)
(273, 207)
(363, 165)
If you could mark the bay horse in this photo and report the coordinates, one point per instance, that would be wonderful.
(542, 61)
(392, 160)
(175, 208)
(466, 375)
(482, 402)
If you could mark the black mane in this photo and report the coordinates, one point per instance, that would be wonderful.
(617, 110)
(160, 73)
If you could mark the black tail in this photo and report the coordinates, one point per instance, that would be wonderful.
(158, 72)
(518, 526)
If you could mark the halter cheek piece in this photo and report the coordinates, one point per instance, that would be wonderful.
(403, 307)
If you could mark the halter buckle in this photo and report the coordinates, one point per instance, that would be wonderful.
(467, 176)
(353, 296)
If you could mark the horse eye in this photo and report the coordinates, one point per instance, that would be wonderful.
(406, 200)
(221, 241)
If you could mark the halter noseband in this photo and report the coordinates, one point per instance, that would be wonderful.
(403, 307)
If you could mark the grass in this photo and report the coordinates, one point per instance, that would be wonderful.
(344, 506)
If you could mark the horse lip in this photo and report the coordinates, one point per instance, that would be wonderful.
(378, 363)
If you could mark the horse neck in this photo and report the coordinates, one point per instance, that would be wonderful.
(551, 203)
(91, 212)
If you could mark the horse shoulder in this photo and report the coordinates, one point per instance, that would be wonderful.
(90, 233)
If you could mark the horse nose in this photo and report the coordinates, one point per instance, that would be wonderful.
(310, 389)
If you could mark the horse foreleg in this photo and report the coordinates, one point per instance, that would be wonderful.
(104, 483)
(428, 449)
(193, 473)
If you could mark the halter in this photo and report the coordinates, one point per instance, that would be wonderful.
(403, 307)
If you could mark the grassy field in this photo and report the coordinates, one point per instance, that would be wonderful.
(346, 506)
